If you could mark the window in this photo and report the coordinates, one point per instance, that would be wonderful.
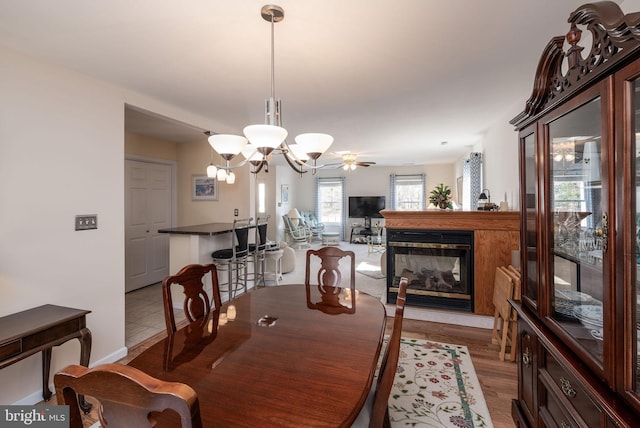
(408, 192)
(330, 202)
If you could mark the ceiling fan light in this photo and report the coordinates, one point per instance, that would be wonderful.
(226, 144)
(314, 142)
(221, 175)
(231, 178)
(269, 136)
(346, 167)
(212, 170)
(352, 166)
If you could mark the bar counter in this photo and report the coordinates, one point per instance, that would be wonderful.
(194, 244)
(208, 229)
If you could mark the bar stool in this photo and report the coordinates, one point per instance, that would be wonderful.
(257, 250)
(275, 255)
(235, 258)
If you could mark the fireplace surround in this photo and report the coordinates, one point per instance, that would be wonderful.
(495, 234)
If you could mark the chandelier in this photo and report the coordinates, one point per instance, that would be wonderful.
(261, 141)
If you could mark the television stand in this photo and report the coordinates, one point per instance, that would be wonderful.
(360, 234)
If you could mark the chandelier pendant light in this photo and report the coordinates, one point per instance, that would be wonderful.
(263, 140)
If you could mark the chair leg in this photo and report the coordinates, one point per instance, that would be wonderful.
(503, 343)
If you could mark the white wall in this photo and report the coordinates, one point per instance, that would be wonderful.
(62, 154)
(61, 140)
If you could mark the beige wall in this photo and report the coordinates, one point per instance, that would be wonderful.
(193, 159)
(147, 147)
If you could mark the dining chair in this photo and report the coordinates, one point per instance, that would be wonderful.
(128, 397)
(234, 259)
(197, 303)
(257, 250)
(328, 280)
(375, 413)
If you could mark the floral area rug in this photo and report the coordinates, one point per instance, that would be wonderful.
(436, 386)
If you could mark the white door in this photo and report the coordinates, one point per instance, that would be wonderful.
(147, 209)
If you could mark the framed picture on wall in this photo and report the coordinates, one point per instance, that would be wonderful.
(204, 188)
(284, 196)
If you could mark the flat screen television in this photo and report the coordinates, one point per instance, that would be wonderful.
(366, 206)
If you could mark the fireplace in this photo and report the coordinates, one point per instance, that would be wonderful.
(438, 265)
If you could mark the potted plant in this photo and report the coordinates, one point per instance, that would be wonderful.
(441, 197)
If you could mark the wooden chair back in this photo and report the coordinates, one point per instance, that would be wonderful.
(127, 396)
(328, 280)
(389, 364)
(197, 303)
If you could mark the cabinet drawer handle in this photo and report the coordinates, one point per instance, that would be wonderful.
(567, 389)
(526, 357)
(563, 424)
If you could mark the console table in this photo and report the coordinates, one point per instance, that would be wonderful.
(40, 329)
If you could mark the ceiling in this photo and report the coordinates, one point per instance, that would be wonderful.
(391, 80)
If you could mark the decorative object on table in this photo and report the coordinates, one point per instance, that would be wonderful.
(441, 197)
(204, 188)
(459, 189)
(484, 201)
(436, 386)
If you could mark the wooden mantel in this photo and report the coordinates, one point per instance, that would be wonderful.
(495, 235)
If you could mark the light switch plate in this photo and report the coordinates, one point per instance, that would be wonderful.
(86, 221)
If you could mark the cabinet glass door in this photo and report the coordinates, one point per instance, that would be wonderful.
(578, 226)
(528, 147)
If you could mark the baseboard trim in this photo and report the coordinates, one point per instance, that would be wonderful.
(36, 396)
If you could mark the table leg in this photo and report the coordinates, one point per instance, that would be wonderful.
(46, 369)
(85, 354)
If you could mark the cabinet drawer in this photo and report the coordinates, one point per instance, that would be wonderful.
(572, 391)
(10, 349)
(557, 413)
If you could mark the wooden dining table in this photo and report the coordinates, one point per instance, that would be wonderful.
(265, 359)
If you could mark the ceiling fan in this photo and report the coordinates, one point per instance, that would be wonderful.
(349, 162)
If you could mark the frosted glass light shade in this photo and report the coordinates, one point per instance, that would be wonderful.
(226, 144)
(314, 142)
(231, 178)
(248, 151)
(298, 152)
(212, 170)
(222, 175)
(270, 136)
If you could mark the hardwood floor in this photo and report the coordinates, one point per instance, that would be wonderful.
(498, 378)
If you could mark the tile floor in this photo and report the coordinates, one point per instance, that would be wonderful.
(144, 314)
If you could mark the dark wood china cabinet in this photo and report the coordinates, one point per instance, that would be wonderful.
(578, 327)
